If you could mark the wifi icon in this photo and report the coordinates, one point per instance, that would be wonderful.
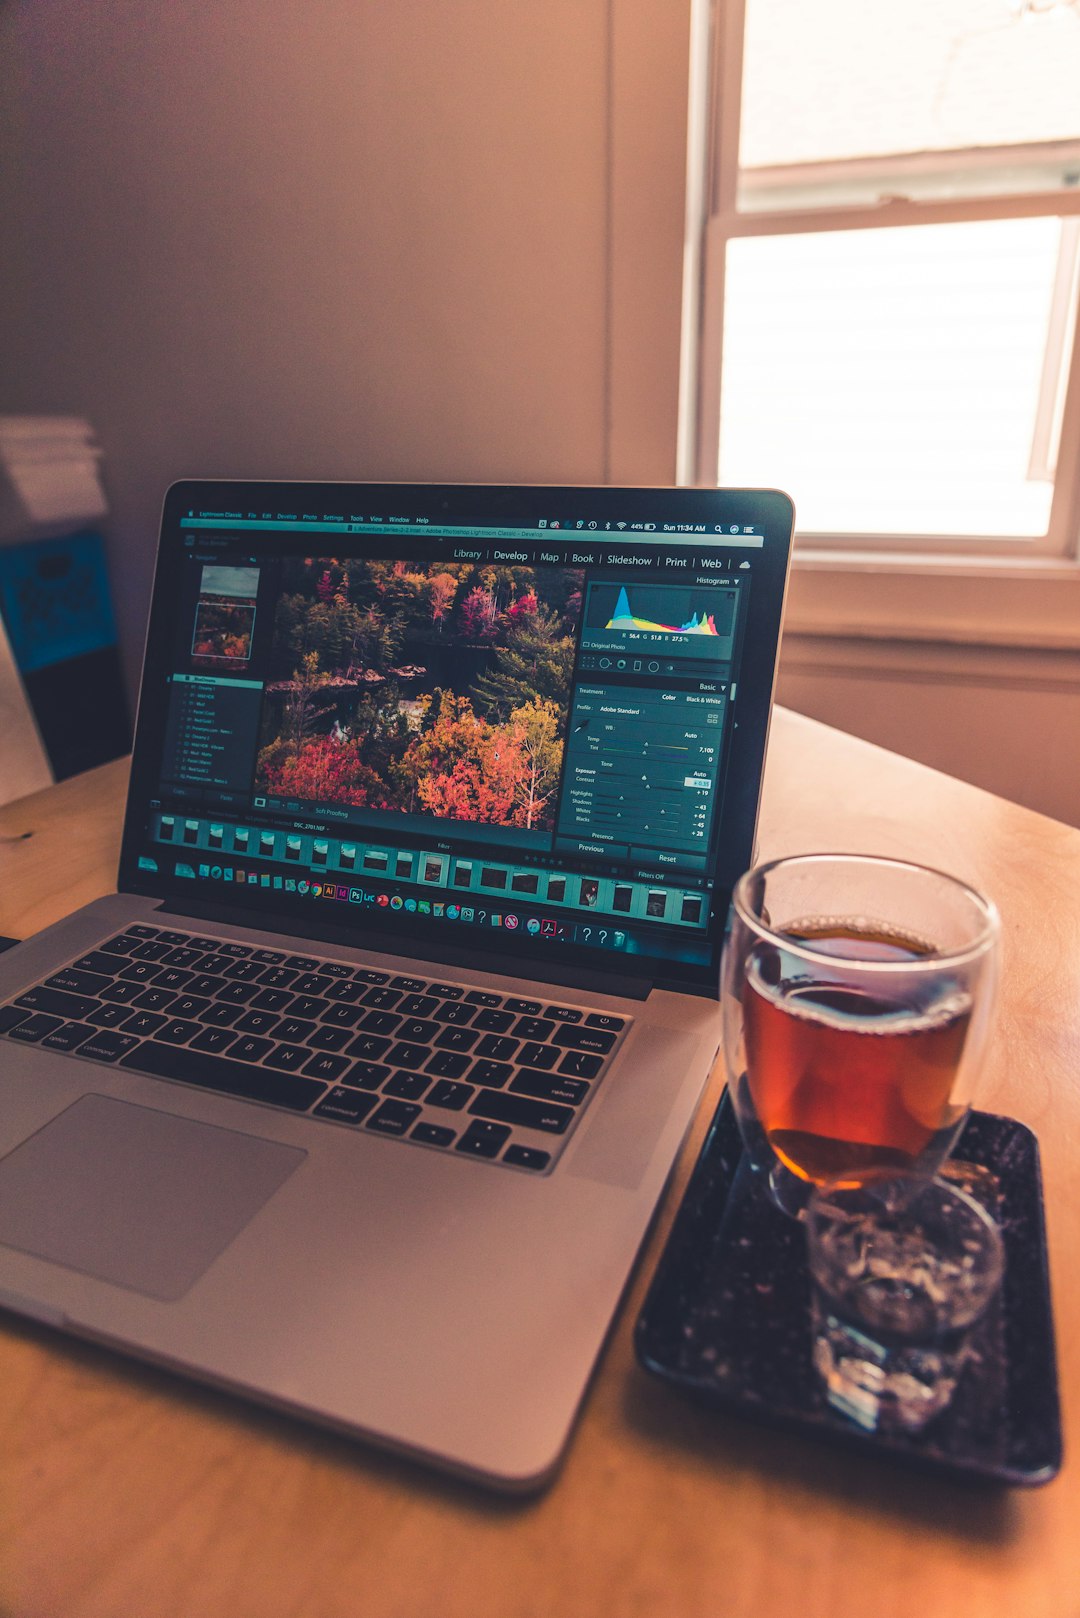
(620, 525)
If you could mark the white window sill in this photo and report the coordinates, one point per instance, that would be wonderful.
(955, 599)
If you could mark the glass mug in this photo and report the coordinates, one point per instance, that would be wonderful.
(856, 999)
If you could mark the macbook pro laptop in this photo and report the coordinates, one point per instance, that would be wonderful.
(358, 1096)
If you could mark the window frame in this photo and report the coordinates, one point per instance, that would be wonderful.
(714, 218)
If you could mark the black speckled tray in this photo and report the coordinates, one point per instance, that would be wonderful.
(727, 1320)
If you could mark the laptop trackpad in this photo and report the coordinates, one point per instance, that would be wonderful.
(138, 1197)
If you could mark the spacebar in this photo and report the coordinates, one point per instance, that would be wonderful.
(218, 1073)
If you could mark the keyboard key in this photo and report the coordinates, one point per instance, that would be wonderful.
(69, 1037)
(238, 971)
(530, 1081)
(165, 937)
(447, 1064)
(140, 972)
(188, 1005)
(335, 969)
(368, 1046)
(146, 932)
(364, 975)
(277, 977)
(533, 1055)
(238, 994)
(123, 994)
(11, 1016)
(34, 1027)
(110, 1046)
(414, 985)
(206, 983)
(419, 1030)
(346, 992)
(330, 1039)
(366, 1075)
(174, 978)
(150, 951)
(538, 1028)
(327, 1066)
(294, 1029)
(417, 1005)
(308, 1005)
(142, 1023)
(497, 1047)
(271, 1000)
(301, 963)
(209, 1072)
(312, 983)
(256, 1022)
(97, 961)
(382, 999)
(347, 1106)
(109, 1016)
(289, 1058)
(494, 1074)
(522, 1008)
(341, 1015)
(122, 944)
(221, 1015)
(380, 1022)
(581, 1065)
(249, 1048)
(271, 957)
(214, 1040)
(407, 1055)
(233, 950)
(432, 1134)
(406, 1086)
(481, 997)
(57, 1002)
(562, 1013)
(450, 1095)
(185, 956)
(446, 991)
(393, 1117)
(483, 1140)
(494, 1022)
(601, 1019)
(155, 999)
(526, 1157)
(178, 1030)
(455, 1011)
(511, 1109)
(75, 982)
(458, 1039)
(584, 1039)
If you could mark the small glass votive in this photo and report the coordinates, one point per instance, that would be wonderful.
(902, 1267)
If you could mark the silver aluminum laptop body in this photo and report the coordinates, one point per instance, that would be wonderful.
(448, 1306)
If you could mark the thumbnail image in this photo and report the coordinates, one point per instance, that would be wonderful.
(225, 615)
(423, 688)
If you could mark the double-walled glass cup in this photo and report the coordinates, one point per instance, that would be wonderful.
(856, 999)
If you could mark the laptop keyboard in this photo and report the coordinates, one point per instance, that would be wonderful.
(439, 1064)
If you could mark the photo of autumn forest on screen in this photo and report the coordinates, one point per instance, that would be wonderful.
(438, 689)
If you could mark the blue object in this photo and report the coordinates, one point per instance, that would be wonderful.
(54, 596)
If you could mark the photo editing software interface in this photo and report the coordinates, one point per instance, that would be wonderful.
(463, 726)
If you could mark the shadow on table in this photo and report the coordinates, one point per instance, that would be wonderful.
(977, 1512)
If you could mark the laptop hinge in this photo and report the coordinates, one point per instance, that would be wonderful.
(570, 977)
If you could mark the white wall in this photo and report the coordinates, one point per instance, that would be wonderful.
(342, 239)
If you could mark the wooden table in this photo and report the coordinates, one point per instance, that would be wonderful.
(127, 1492)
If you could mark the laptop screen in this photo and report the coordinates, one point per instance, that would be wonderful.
(513, 722)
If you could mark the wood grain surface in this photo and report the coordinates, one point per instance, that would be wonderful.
(131, 1493)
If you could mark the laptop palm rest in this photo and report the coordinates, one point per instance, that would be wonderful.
(137, 1197)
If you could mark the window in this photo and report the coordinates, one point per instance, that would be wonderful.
(889, 202)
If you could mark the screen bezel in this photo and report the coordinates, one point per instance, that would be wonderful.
(769, 510)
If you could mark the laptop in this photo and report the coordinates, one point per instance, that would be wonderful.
(359, 1094)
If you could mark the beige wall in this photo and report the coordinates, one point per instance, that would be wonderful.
(396, 239)
(343, 239)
